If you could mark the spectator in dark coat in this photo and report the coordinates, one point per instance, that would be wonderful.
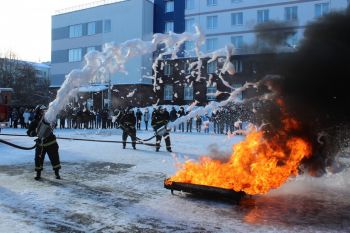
(181, 113)
(173, 116)
(138, 118)
(146, 117)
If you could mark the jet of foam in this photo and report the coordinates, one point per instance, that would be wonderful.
(112, 60)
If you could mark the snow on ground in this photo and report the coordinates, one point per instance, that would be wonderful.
(107, 189)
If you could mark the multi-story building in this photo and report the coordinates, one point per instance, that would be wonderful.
(235, 21)
(76, 31)
(239, 22)
(243, 23)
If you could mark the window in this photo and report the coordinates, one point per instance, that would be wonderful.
(169, 6)
(237, 41)
(212, 22)
(291, 13)
(169, 27)
(240, 95)
(188, 92)
(211, 93)
(89, 49)
(238, 66)
(75, 30)
(212, 67)
(292, 41)
(91, 28)
(212, 44)
(237, 19)
(321, 9)
(168, 70)
(189, 48)
(263, 16)
(189, 4)
(189, 45)
(187, 68)
(212, 2)
(189, 25)
(74, 55)
(107, 26)
(261, 43)
(168, 92)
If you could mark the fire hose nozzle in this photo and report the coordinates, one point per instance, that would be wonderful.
(162, 130)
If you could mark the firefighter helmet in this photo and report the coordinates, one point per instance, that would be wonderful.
(40, 108)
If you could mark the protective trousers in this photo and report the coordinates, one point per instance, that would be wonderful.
(130, 132)
(52, 151)
(166, 139)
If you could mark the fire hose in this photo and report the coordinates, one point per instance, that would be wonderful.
(17, 146)
(160, 131)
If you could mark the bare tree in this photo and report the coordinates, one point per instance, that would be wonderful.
(29, 90)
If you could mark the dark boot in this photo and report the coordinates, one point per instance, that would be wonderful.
(38, 175)
(169, 149)
(57, 174)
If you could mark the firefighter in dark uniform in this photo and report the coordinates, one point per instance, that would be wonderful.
(160, 119)
(127, 122)
(46, 142)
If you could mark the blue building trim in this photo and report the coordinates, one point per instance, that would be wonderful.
(177, 16)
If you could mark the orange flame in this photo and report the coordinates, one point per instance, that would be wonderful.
(256, 165)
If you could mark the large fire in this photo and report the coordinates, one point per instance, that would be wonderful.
(256, 165)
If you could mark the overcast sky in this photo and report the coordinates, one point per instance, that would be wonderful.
(26, 27)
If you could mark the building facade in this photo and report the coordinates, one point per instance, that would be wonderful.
(247, 25)
(236, 21)
(75, 32)
(243, 23)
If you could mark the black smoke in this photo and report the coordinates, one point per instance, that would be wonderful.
(315, 90)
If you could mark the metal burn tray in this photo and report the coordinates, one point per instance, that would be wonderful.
(204, 191)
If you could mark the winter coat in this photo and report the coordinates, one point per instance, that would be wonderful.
(146, 116)
(138, 115)
(173, 115)
(128, 120)
(33, 132)
(159, 119)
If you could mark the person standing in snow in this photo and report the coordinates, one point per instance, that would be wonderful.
(160, 119)
(146, 117)
(46, 142)
(138, 118)
(173, 116)
(127, 121)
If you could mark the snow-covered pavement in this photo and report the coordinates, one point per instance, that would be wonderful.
(107, 189)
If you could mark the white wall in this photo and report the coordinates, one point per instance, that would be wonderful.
(224, 8)
(129, 19)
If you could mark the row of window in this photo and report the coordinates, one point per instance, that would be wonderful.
(77, 29)
(188, 92)
(76, 54)
(189, 4)
(237, 18)
(212, 67)
(237, 41)
(290, 14)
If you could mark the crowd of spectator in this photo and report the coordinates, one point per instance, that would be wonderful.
(222, 121)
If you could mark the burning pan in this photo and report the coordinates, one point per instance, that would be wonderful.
(204, 191)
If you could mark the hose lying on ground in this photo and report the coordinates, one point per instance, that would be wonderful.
(64, 138)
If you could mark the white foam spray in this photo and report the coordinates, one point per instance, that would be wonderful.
(98, 65)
